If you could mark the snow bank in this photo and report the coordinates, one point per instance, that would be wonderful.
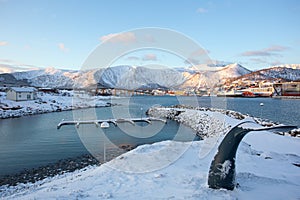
(48, 102)
(205, 123)
(186, 178)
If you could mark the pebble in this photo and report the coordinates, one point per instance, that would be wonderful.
(60, 167)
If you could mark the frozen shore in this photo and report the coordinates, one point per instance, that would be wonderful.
(48, 102)
(267, 168)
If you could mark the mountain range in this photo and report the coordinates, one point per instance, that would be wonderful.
(133, 77)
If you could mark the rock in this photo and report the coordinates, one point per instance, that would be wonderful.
(33, 175)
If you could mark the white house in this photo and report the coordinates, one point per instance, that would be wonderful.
(21, 93)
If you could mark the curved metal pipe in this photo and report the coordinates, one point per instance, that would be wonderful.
(222, 169)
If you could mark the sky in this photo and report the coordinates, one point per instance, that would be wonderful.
(63, 33)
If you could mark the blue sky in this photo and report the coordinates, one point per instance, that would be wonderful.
(62, 33)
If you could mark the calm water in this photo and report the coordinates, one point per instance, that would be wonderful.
(33, 141)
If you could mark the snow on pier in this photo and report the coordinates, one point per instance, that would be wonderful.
(113, 121)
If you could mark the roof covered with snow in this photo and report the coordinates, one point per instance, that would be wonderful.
(24, 89)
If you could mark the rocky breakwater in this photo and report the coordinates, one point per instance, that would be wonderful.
(206, 121)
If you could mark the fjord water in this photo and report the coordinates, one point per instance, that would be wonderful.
(34, 141)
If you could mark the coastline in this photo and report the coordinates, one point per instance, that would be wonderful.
(36, 174)
(60, 167)
(178, 113)
(47, 103)
(286, 97)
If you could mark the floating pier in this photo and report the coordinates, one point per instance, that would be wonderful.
(105, 123)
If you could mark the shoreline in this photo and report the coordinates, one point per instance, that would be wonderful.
(39, 112)
(50, 170)
(60, 167)
(174, 112)
(48, 103)
(286, 97)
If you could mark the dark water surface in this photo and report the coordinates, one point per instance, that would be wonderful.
(33, 141)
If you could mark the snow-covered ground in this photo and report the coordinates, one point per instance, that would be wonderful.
(48, 102)
(266, 169)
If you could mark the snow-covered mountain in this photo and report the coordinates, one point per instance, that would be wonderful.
(133, 77)
(284, 72)
(48, 77)
(289, 74)
(203, 76)
(293, 66)
(136, 77)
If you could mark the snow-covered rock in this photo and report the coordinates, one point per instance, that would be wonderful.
(205, 123)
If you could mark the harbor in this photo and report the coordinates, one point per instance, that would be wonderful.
(290, 90)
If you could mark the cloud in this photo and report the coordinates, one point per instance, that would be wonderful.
(3, 43)
(132, 58)
(62, 47)
(202, 10)
(266, 52)
(277, 48)
(9, 62)
(127, 37)
(149, 56)
(9, 66)
(257, 53)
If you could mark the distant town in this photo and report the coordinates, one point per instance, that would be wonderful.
(239, 88)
